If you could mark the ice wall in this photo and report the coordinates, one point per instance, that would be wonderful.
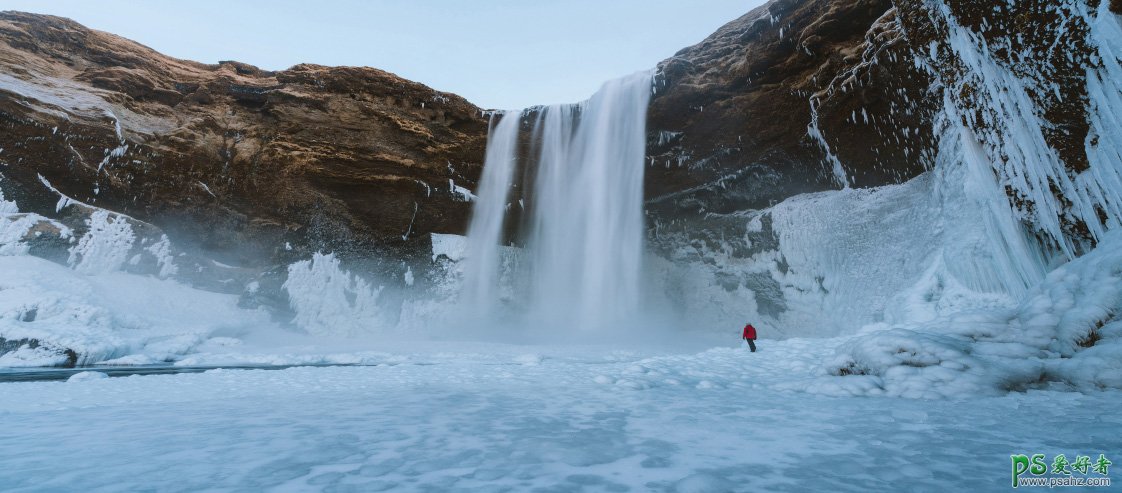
(995, 92)
(830, 263)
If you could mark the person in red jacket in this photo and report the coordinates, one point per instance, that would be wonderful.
(750, 336)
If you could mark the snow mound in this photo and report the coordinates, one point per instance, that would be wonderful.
(51, 315)
(529, 359)
(86, 376)
(1064, 332)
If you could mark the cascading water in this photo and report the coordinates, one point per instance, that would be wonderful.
(584, 245)
(481, 274)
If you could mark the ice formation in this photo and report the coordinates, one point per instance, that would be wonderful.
(1014, 143)
(105, 246)
(102, 316)
(1064, 332)
(329, 300)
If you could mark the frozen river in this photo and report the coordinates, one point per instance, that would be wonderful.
(719, 420)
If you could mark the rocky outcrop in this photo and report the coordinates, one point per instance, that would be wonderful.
(792, 97)
(1013, 108)
(808, 96)
(244, 166)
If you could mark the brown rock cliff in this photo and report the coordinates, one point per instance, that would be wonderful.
(229, 159)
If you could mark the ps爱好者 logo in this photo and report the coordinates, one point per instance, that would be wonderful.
(1037, 470)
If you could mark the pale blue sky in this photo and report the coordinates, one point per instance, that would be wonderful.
(497, 53)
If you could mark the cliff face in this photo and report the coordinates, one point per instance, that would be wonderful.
(1006, 113)
(809, 96)
(792, 97)
(1037, 85)
(239, 173)
(231, 161)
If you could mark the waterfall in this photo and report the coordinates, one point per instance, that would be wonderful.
(481, 274)
(584, 228)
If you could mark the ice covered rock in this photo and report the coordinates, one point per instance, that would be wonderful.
(1065, 332)
(86, 376)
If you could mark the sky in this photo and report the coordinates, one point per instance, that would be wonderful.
(502, 54)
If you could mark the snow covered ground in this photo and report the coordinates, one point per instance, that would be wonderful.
(931, 406)
(933, 401)
(582, 421)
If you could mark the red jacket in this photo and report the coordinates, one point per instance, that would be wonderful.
(749, 332)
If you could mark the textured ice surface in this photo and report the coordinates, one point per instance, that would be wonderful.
(582, 421)
(840, 260)
(105, 247)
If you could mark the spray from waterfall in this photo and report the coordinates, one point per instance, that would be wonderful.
(584, 229)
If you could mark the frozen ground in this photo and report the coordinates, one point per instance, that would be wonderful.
(609, 421)
(932, 403)
(926, 406)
